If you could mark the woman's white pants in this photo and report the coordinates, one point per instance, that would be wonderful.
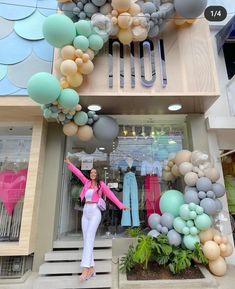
(90, 221)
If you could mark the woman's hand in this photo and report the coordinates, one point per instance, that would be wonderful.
(125, 208)
(67, 161)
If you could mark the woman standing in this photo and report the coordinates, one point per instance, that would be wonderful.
(92, 190)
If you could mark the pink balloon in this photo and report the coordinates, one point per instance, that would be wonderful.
(12, 188)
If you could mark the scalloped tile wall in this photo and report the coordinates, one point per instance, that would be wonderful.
(23, 51)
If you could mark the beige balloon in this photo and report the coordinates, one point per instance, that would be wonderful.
(175, 171)
(85, 133)
(70, 128)
(212, 174)
(124, 20)
(167, 176)
(228, 251)
(218, 267)
(125, 36)
(68, 67)
(182, 156)
(190, 179)
(211, 250)
(121, 5)
(90, 53)
(87, 67)
(206, 235)
(185, 168)
(68, 52)
(75, 80)
(134, 9)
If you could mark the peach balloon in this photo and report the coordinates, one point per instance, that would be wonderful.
(183, 156)
(190, 21)
(57, 64)
(68, 52)
(75, 80)
(68, 67)
(85, 57)
(218, 267)
(223, 248)
(86, 68)
(212, 174)
(78, 53)
(64, 83)
(90, 53)
(78, 107)
(134, 9)
(121, 5)
(224, 240)
(125, 36)
(217, 239)
(179, 22)
(206, 235)
(70, 128)
(124, 20)
(85, 133)
(228, 251)
(211, 250)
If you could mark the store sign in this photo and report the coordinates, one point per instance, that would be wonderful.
(87, 164)
(146, 49)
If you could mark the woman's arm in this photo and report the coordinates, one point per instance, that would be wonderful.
(106, 190)
(71, 167)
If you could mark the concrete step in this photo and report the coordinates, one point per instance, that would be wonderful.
(69, 244)
(53, 268)
(69, 282)
(75, 255)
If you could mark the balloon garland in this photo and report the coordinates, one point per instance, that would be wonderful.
(80, 33)
(191, 217)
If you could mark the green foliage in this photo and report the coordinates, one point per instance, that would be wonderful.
(127, 261)
(133, 232)
(161, 250)
(180, 260)
(143, 250)
(198, 254)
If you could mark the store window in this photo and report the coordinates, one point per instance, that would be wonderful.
(15, 145)
(132, 167)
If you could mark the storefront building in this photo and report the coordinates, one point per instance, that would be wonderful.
(137, 92)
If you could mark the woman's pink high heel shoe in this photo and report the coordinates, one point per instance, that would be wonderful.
(83, 277)
(92, 274)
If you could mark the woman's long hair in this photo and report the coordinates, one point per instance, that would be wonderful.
(97, 180)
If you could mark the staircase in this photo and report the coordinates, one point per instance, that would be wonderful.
(61, 269)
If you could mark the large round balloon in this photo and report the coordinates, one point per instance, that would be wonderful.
(85, 133)
(171, 201)
(43, 88)
(190, 241)
(59, 30)
(190, 8)
(106, 128)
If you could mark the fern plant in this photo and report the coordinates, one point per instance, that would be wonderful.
(161, 250)
(127, 261)
(143, 251)
(133, 232)
(198, 254)
(180, 260)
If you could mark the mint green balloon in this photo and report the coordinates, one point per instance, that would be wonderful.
(179, 224)
(81, 118)
(190, 241)
(185, 231)
(84, 28)
(190, 223)
(193, 231)
(59, 30)
(203, 222)
(184, 212)
(81, 42)
(43, 88)
(171, 201)
(47, 113)
(95, 42)
(199, 210)
(68, 98)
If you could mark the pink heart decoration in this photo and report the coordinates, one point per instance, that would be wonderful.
(12, 188)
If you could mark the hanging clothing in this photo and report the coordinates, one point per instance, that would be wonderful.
(130, 200)
(148, 168)
(152, 195)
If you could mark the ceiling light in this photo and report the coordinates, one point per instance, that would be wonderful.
(125, 132)
(143, 131)
(133, 131)
(174, 107)
(152, 132)
(101, 148)
(94, 107)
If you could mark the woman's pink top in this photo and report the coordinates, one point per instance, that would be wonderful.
(87, 184)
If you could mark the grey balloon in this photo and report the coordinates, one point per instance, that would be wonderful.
(209, 206)
(154, 220)
(174, 238)
(153, 233)
(159, 227)
(105, 128)
(219, 205)
(191, 197)
(204, 184)
(164, 230)
(167, 220)
(201, 195)
(210, 194)
(188, 188)
(218, 189)
(190, 8)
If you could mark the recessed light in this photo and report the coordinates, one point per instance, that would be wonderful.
(101, 148)
(174, 107)
(94, 107)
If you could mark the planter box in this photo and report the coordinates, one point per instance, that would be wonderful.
(209, 282)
